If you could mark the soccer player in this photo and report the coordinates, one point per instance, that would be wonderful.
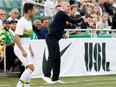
(22, 47)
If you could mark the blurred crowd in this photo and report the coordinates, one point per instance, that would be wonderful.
(98, 14)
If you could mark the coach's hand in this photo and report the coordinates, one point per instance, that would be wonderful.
(24, 53)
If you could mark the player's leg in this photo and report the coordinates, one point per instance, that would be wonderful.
(26, 75)
(25, 78)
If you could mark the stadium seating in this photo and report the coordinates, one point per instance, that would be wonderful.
(15, 3)
(10, 4)
(2, 4)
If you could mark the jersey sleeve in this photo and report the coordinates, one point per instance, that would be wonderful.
(20, 28)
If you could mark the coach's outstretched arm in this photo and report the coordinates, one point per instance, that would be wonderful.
(71, 20)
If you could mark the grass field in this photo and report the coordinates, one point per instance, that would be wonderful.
(80, 81)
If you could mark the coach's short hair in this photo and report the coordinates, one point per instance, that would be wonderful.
(28, 6)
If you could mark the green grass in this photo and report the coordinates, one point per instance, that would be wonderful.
(80, 81)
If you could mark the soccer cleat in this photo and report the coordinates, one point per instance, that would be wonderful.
(58, 81)
(47, 79)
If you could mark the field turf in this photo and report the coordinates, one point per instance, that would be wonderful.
(79, 81)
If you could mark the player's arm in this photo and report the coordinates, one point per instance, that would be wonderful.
(17, 41)
(31, 51)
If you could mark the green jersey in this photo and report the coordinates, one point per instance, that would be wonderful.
(6, 36)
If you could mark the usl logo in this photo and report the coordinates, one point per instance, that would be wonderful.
(95, 57)
(45, 60)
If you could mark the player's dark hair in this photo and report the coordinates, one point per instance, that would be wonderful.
(28, 6)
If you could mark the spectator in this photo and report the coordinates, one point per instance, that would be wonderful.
(14, 14)
(44, 28)
(77, 15)
(9, 41)
(60, 2)
(96, 10)
(13, 26)
(2, 17)
(114, 4)
(36, 29)
(106, 6)
(109, 7)
(95, 19)
(91, 1)
(88, 10)
(103, 23)
(86, 23)
(77, 26)
(49, 9)
(73, 9)
(83, 7)
(57, 8)
(101, 4)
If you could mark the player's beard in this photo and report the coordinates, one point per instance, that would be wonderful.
(32, 15)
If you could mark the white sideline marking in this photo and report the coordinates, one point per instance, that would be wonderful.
(62, 83)
(98, 80)
(4, 85)
(35, 85)
(98, 83)
(71, 82)
(67, 82)
(41, 86)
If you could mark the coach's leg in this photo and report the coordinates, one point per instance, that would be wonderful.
(52, 44)
(56, 68)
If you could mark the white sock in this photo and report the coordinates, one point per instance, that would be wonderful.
(19, 84)
(25, 79)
